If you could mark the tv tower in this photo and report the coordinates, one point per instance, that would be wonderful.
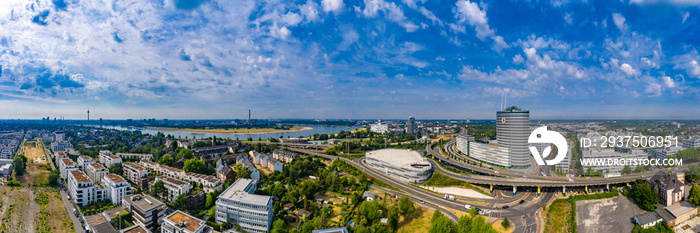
(88, 114)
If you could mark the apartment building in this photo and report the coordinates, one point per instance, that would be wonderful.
(96, 171)
(146, 211)
(133, 156)
(237, 205)
(116, 188)
(82, 189)
(103, 154)
(175, 187)
(61, 146)
(66, 165)
(275, 165)
(209, 183)
(181, 222)
(110, 160)
(245, 161)
(151, 166)
(83, 162)
(284, 156)
(133, 172)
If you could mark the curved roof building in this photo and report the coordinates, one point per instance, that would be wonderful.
(405, 165)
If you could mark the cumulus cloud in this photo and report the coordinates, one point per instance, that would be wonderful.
(627, 68)
(335, 6)
(310, 11)
(668, 81)
(568, 19)
(517, 59)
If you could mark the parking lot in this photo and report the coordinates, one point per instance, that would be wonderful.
(606, 215)
(690, 226)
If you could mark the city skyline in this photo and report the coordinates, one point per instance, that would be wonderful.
(335, 59)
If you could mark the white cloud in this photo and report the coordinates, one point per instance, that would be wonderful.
(428, 14)
(473, 15)
(620, 22)
(310, 11)
(685, 16)
(349, 36)
(627, 68)
(653, 89)
(568, 18)
(668, 81)
(517, 59)
(335, 6)
(291, 19)
(391, 11)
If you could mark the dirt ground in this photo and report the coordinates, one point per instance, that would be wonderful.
(35, 174)
(32, 210)
(34, 153)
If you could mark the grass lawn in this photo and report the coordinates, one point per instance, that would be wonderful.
(497, 225)
(559, 216)
(419, 224)
(239, 131)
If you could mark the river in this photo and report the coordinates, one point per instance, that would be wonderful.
(320, 129)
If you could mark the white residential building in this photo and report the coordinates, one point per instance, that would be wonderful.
(83, 161)
(65, 165)
(61, 146)
(209, 183)
(690, 143)
(116, 187)
(82, 189)
(110, 160)
(239, 206)
(133, 172)
(132, 156)
(96, 171)
(175, 187)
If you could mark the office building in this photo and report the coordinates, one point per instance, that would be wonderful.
(59, 136)
(133, 172)
(237, 205)
(181, 222)
(411, 125)
(96, 171)
(512, 132)
(145, 210)
(379, 127)
(691, 143)
(406, 165)
(116, 188)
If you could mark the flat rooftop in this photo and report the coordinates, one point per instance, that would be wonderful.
(680, 208)
(173, 181)
(235, 193)
(135, 229)
(134, 166)
(143, 202)
(68, 162)
(85, 157)
(115, 178)
(401, 157)
(97, 166)
(185, 221)
(80, 176)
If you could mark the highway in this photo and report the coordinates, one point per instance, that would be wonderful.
(521, 180)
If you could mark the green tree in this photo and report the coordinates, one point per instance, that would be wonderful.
(626, 170)
(436, 215)
(406, 207)
(644, 196)
(393, 218)
(53, 177)
(159, 189)
(166, 160)
(694, 195)
(117, 169)
(195, 165)
(472, 211)
(179, 202)
(693, 173)
(505, 223)
(278, 226)
(440, 225)
(463, 224)
(20, 164)
(211, 199)
(184, 153)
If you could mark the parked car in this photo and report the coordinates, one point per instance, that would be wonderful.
(521, 202)
(505, 207)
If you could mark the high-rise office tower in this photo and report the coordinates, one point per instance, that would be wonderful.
(411, 125)
(512, 131)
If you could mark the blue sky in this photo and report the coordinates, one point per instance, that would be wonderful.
(183, 59)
